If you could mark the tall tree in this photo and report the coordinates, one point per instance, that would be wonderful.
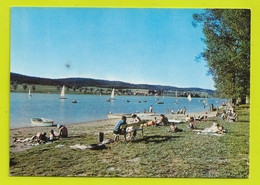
(227, 52)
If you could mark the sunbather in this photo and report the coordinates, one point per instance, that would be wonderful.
(173, 128)
(215, 128)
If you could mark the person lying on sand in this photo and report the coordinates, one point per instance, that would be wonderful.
(173, 128)
(215, 128)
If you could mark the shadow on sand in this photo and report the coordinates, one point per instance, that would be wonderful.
(154, 139)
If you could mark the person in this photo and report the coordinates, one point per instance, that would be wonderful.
(136, 120)
(151, 108)
(172, 111)
(191, 123)
(52, 136)
(233, 117)
(204, 107)
(223, 115)
(117, 129)
(215, 128)
(167, 111)
(163, 120)
(184, 110)
(40, 137)
(173, 128)
(63, 131)
(187, 118)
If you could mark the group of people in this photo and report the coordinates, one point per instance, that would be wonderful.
(42, 137)
(230, 116)
(180, 111)
(118, 129)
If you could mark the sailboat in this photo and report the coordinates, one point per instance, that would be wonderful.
(62, 94)
(189, 97)
(206, 101)
(176, 98)
(29, 94)
(113, 95)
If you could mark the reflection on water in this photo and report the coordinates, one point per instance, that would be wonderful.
(89, 107)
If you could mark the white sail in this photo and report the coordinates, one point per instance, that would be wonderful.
(189, 97)
(62, 94)
(113, 94)
(29, 94)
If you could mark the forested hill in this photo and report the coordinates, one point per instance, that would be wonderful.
(87, 82)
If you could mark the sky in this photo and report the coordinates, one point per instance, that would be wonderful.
(136, 45)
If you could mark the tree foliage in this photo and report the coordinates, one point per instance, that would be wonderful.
(227, 52)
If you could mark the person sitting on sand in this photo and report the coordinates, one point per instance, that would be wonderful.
(163, 120)
(52, 136)
(191, 124)
(117, 129)
(173, 128)
(63, 131)
(223, 115)
(136, 120)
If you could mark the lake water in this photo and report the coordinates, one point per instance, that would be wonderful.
(90, 107)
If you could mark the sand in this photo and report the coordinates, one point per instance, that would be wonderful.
(91, 128)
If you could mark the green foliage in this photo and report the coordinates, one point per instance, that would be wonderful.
(227, 39)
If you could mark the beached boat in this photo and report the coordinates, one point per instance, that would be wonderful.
(62, 94)
(146, 114)
(111, 116)
(42, 122)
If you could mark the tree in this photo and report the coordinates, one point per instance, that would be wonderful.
(33, 87)
(58, 87)
(227, 52)
(24, 86)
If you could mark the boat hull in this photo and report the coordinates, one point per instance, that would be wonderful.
(146, 114)
(112, 116)
(42, 122)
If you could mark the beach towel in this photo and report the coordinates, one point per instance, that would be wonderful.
(79, 146)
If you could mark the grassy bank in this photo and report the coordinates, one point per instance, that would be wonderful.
(158, 154)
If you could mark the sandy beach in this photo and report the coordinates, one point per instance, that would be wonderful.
(89, 128)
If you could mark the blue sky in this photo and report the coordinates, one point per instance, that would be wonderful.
(153, 46)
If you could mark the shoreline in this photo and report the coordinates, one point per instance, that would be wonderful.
(172, 116)
(85, 128)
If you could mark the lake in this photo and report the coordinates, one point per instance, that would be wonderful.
(90, 107)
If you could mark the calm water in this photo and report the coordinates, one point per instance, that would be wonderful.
(89, 108)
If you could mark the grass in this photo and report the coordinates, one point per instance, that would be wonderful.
(158, 154)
